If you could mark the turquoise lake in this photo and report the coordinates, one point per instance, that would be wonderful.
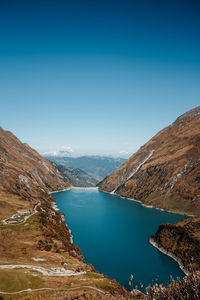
(113, 234)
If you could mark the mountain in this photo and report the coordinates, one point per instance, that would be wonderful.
(165, 172)
(181, 241)
(96, 166)
(37, 254)
(24, 172)
(78, 177)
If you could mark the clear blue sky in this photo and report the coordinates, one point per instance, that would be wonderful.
(98, 76)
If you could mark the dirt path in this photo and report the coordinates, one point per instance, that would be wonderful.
(44, 271)
(53, 289)
(20, 217)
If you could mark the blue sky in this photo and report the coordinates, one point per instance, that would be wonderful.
(97, 76)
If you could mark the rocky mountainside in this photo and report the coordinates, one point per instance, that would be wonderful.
(23, 171)
(165, 172)
(182, 240)
(96, 166)
(78, 177)
(38, 259)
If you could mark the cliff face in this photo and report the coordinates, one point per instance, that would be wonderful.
(165, 172)
(36, 249)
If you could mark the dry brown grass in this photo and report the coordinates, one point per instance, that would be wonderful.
(187, 289)
(10, 203)
(172, 171)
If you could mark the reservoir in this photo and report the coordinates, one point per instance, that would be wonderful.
(113, 234)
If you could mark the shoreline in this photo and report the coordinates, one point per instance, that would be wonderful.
(95, 188)
(57, 191)
(173, 256)
(54, 205)
(76, 188)
(151, 240)
(149, 206)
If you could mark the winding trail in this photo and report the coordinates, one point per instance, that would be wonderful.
(53, 289)
(44, 271)
(13, 220)
(9, 221)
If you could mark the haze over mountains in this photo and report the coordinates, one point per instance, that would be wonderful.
(78, 177)
(96, 166)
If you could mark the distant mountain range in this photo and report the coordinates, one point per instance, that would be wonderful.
(77, 177)
(96, 166)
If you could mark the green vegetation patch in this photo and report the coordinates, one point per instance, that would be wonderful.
(104, 284)
(16, 280)
(32, 221)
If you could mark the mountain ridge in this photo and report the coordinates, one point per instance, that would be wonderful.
(78, 177)
(165, 171)
(95, 166)
(24, 171)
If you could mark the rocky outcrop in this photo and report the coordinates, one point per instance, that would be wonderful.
(165, 172)
(182, 241)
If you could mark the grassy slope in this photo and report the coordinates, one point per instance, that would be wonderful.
(19, 245)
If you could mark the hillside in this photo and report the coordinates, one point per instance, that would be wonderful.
(182, 240)
(78, 177)
(37, 257)
(165, 172)
(24, 172)
(96, 166)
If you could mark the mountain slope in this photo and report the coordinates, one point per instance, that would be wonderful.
(182, 240)
(78, 177)
(165, 172)
(23, 171)
(96, 166)
(37, 255)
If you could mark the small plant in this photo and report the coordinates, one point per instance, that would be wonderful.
(130, 283)
(187, 289)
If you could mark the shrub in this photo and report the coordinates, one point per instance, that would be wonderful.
(187, 289)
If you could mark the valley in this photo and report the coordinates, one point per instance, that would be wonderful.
(37, 255)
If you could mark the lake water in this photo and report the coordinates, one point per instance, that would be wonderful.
(113, 234)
